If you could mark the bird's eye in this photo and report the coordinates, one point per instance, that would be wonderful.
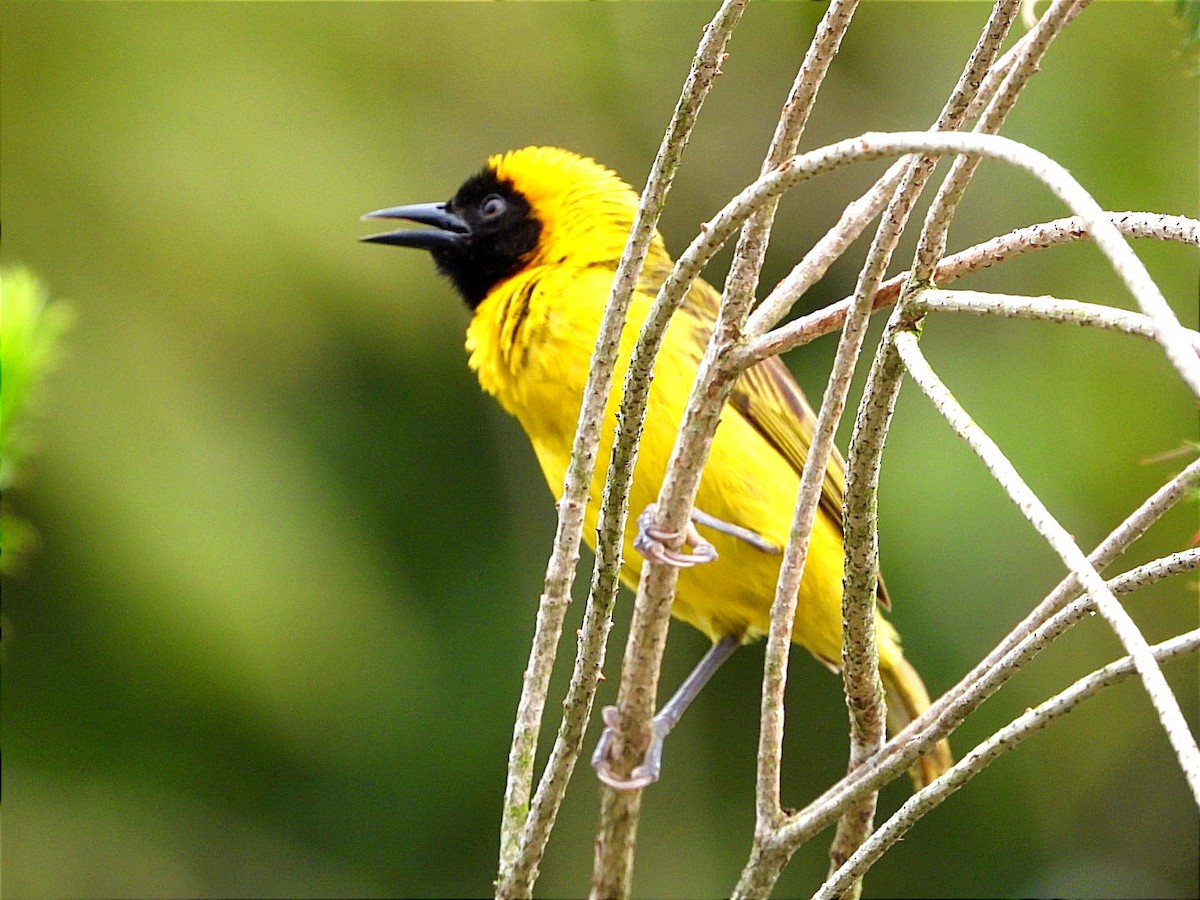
(492, 207)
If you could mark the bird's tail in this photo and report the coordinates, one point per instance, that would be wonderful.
(906, 699)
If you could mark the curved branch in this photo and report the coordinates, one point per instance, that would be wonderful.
(974, 259)
(1029, 53)
(1164, 701)
(1018, 647)
(1046, 309)
(982, 755)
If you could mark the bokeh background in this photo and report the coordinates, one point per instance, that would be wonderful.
(272, 640)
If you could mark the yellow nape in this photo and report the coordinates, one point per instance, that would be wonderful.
(585, 209)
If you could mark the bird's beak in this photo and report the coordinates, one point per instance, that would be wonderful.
(449, 230)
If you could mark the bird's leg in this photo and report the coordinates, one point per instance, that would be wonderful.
(651, 540)
(753, 538)
(660, 726)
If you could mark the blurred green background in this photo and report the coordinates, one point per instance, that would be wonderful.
(273, 637)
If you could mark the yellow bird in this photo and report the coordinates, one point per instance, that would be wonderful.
(532, 243)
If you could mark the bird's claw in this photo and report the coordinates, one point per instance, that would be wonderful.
(644, 774)
(651, 541)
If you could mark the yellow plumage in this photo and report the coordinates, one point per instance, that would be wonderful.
(530, 340)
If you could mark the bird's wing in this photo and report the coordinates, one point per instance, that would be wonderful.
(769, 399)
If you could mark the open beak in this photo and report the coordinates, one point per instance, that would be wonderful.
(448, 231)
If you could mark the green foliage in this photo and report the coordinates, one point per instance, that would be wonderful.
(29, 348)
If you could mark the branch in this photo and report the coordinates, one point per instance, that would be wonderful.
(816, 262)
(1046, 309)
(1060, 610)
(983, 754)
(715, 378)
(860, 653)
(768, 858)
(525, 829)
(973, 259)
(614, 848)
(1033, 47)
(1169, 333)
(881, 769)
(1127, 266)
(1024, 643)
(862, 211)
(1017, 648)
(1169, 713)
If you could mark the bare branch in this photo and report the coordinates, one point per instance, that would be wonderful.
(1046, 622)
(812, 268)
(643, 655)
(525, 829)
(860, 654)
(1127, 632)
(932, 245)
(973, 259)
(1046, 309)
(1019, 646)
(986, 752)
(877, 407)
(862, 211)
(1169, 333)
(614, 844)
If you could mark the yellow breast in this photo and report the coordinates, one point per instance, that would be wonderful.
(531, 342)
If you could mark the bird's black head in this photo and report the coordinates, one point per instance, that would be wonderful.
(484, 234)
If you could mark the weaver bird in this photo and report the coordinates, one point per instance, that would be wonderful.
(532, 243)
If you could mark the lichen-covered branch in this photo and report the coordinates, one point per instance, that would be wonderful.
(1026, 60)
(644, 649)
(987, 751)
(974, 259)
(525, 828)
(614, 843)
(1164, 701)
(1045, 309)
(1031, 635)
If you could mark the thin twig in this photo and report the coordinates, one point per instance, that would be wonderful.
(1161, 696)
(1045, 309)
(878, 402)
(614, 843)
(862, 476)
(647, 638)
(1132, 272)
(921, 734)
(932, 243)
(743, 279)
(525, 828)
(1020, 645)
(854, 219)
(872, 146)
(974, 259)
(829, 158)
(986, 752)
(860, 655)
(859, 213)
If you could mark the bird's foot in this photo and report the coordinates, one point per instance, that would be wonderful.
(652, 541)
(645, 773)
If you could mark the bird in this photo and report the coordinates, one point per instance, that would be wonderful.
(531, 243)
